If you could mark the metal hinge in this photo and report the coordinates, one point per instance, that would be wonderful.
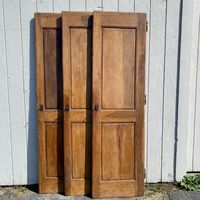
(145, 99)
(147, 26)
(145, 175)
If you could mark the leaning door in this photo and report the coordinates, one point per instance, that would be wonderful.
(49, 101)
(118, 104)
(77, 69)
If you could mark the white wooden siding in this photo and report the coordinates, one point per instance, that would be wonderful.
(193, 161)
(18, 130)
(184, 88)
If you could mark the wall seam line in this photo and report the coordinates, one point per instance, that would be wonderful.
(177, 88)
(195, 105)
(163, 92)
(22, 49)
(148, 75)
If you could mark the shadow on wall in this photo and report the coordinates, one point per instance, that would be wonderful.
(32, 144)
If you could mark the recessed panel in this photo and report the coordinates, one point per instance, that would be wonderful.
(81, 150)
(53, 68)
(117, 143)
(54, 149)
(118, 68)
(81, 60)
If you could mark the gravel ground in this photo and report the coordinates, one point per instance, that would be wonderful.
(152, 191)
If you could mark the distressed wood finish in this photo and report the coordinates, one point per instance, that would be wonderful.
(118, 104)
(77, 69)
(49, 101)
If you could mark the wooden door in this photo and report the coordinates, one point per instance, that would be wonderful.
(49, 101)
(118, 104)
(77, 63)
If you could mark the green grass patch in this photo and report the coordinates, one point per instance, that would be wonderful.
(191, 183)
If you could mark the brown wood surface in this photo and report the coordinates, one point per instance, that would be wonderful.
(77, 69)
(118, 104)
(49, 101)
(53, 68)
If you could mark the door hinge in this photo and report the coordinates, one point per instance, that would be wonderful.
(145, 99)
(145, 175)
(147, 26)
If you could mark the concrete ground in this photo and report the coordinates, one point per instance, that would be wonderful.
(152, 191)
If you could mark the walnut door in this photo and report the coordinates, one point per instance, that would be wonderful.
(48, 37)
(77, 71)
(118, 104)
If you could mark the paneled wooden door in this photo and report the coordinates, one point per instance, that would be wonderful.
(48, 37)
(118, 104)
(77, 76)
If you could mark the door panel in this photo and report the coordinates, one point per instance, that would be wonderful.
(53, 68)
(119, 51)
(49, 101)
(118, 104)
(54, 149)
(81, 135)
(81, 67)
(117, 148)
(77, 66)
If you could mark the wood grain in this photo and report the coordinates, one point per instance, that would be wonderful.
(118, 93)
(114, 160)
(77, 68)
(53, 68)
(54, 149)
(81, 67)
(49, 99)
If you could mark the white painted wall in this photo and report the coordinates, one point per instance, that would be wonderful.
(18, 130)
(193, 140)
(184, 88)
